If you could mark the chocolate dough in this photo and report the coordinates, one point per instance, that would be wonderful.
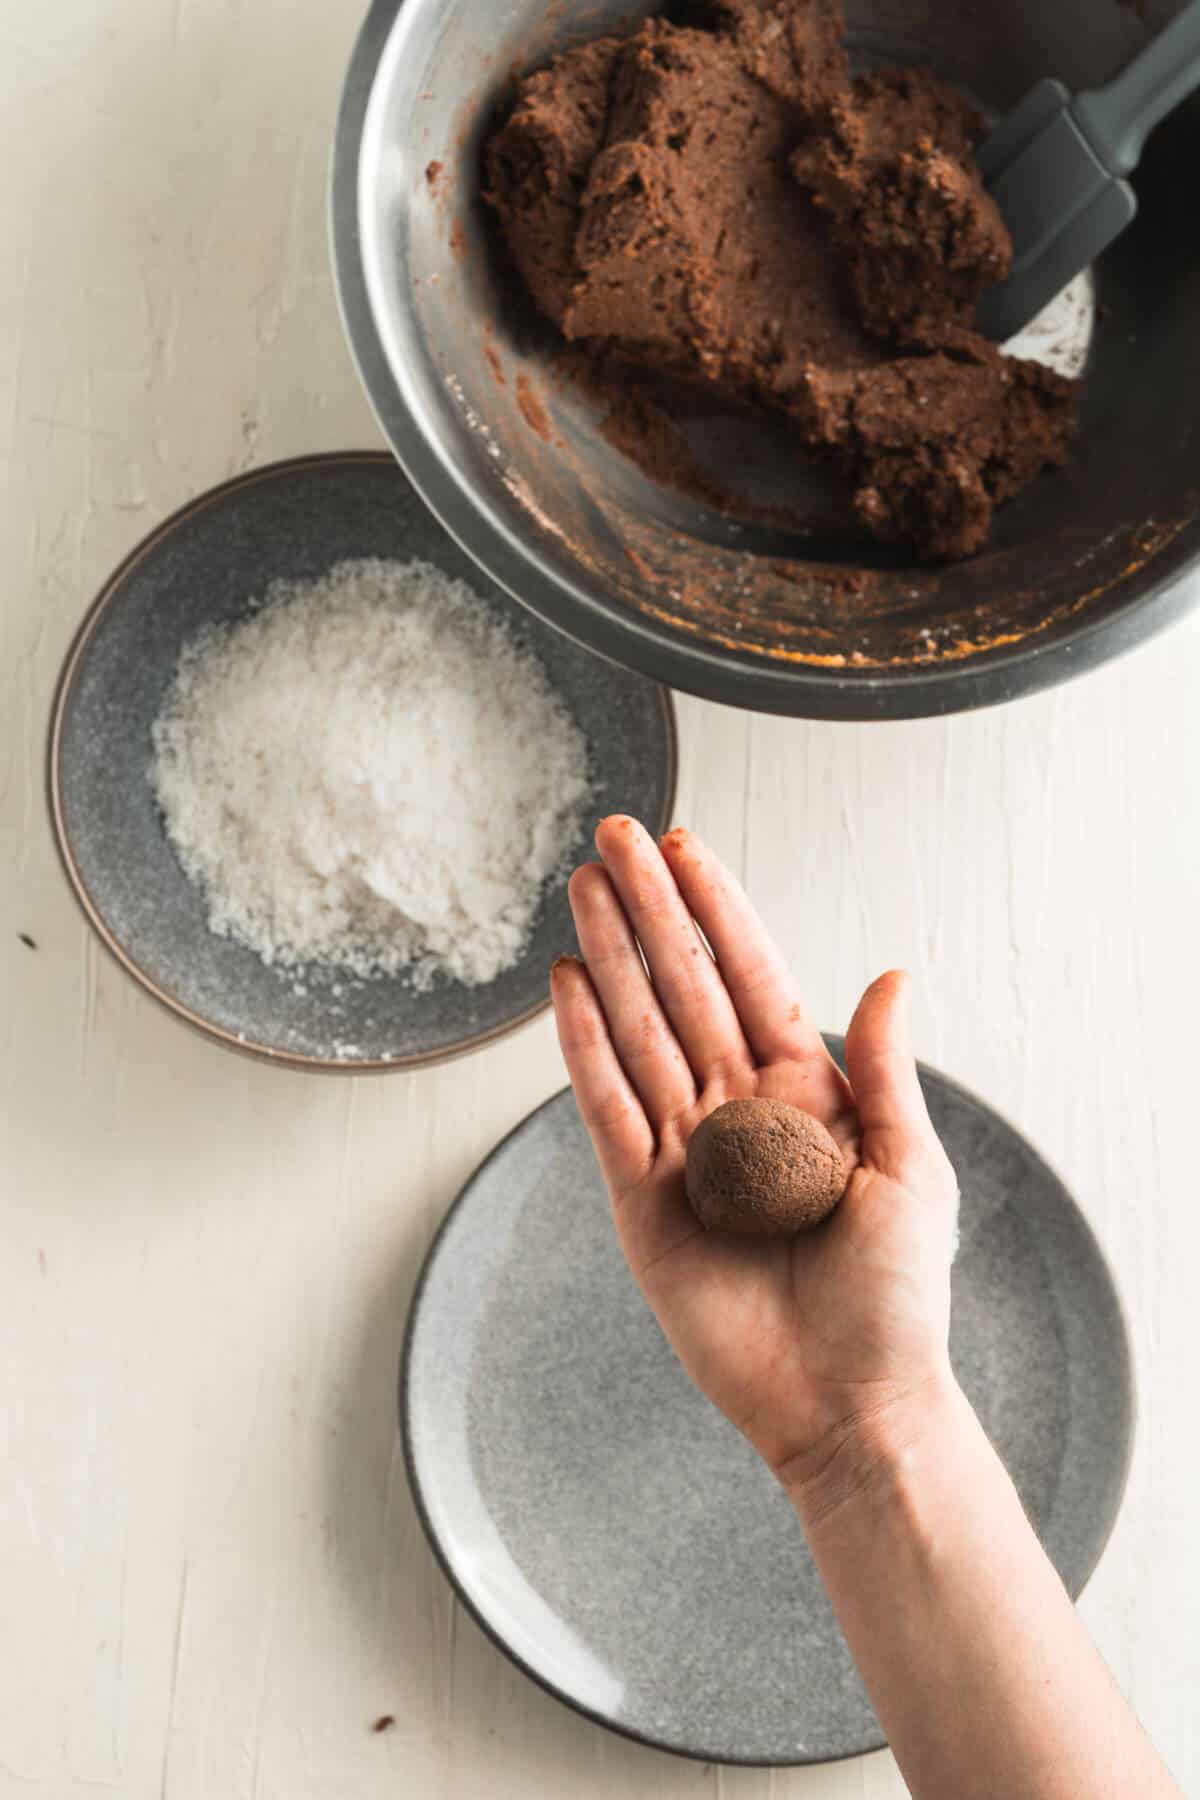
(760, 1168)
(937, 441)
(894, 170)
(719, 201)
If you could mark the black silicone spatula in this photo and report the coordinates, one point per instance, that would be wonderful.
(1057, 168)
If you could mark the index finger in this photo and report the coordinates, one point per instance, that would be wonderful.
(615, 1118)
(652, 1218)
(685, 977)
(757, 976)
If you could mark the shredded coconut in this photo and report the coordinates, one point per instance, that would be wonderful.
(369, 773)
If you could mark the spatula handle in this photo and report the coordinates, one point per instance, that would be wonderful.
(1120, 117)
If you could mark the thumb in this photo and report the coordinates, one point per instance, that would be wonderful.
(897, 1133)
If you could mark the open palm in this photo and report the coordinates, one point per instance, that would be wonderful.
(797, 1339)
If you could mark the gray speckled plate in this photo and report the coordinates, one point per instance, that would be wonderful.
(620, 1541)
(203, 567)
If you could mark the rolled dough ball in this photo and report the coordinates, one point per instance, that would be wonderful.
(760, 1168)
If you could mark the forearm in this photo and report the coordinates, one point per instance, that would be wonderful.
(982, 1675)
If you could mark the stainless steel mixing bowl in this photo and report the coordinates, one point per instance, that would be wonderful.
(512, 460)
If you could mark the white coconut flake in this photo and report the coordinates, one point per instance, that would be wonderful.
(369, 773)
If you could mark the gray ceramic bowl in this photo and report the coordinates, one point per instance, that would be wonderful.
(617, 1537)
(1086, 563)
(203, 567)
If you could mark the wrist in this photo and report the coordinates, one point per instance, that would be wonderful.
(865, 1458)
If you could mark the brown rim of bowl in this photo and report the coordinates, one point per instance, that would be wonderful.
(63, 689)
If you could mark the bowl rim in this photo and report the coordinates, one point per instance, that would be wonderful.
(990, 678)
(64, 690)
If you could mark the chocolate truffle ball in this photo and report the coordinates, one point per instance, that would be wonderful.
(760, 1168)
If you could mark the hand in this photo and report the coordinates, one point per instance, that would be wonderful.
(801, 1342)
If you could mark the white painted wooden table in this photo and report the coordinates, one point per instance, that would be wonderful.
(211, 1577)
